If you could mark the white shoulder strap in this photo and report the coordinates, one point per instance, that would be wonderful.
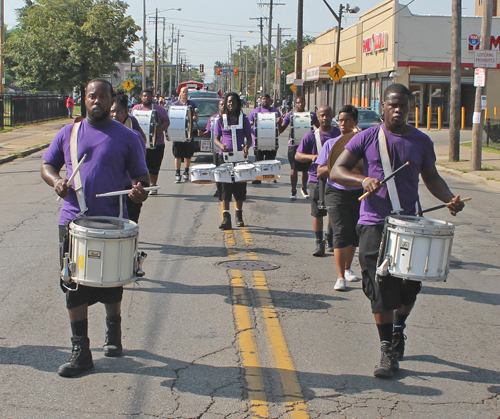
(73, 147)
(317, 135)
(386, 164)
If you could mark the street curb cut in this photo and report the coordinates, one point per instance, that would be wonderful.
(470, 177)
(24, 153)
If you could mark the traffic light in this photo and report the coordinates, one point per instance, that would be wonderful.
(202, 68)
(218, 71)
(183, 67)
(235, 71)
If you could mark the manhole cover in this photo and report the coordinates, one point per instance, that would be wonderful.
(248, 265)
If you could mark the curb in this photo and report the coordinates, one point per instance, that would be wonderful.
(470, 177)
(24, 153)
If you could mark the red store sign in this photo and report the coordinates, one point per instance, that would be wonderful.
(377, 42)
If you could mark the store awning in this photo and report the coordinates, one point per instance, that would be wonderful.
(311, 74)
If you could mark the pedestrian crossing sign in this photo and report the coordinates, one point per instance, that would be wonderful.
(293, 88)
(128, 85)
(336, 73)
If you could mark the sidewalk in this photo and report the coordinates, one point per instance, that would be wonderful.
(24, 141)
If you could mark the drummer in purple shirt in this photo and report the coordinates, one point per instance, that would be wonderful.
(392, 298)
(183, 151)
(224, 140)
(295, 166)
(112, 151)
(308, 152)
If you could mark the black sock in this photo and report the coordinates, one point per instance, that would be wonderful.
(319, 235)
(186, 170)
(178, 172)
(114, 319)
(399, 319)
(385, 332)
(80, 328)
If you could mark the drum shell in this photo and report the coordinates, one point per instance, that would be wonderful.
(222, 174)
(268, 169)
(101, 257)
(300, 124)
(148, 121)
(181, 121)
(266, 131)
(202, 173)
(419, 248)
(244, 172)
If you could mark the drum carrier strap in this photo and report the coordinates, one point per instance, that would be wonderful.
(73, 146)
(317, 135)
(386, 164)
(233, 129)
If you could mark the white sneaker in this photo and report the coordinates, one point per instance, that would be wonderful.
(293, 195)
(304, 192)
(350, 275)
(185, 177)
(154, 191)
(339, 285)
(177, 178)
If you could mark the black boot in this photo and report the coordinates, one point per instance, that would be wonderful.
(388, 362)
(226, 222)
(398, 342)
(320, 248)
(239, 218)
(80, 360)
(113, 344)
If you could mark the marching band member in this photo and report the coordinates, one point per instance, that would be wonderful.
(232, 116)
(154, 156)
(307, 152)
(296, 166)
(392, 298)
(106, 141)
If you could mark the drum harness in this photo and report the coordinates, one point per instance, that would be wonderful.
(321, 181)
(233, 129)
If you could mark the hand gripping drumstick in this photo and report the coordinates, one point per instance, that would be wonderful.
(385, 180)
(77, 168)
(125, 192)
(445, 205)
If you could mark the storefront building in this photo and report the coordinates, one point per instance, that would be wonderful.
(389, 44)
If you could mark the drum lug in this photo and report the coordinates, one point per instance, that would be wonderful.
(67, 269)
(139, 261)
(383, 269)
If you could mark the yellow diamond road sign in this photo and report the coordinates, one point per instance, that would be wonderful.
(336, 73)
(293, 88)
(128, 85)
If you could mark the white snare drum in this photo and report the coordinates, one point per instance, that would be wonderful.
(181, 123)
(300, 124)
(148, 121)
(202, 173)
(244, 172)
(223, 173)
(103, 251)
(268, 169)
(266, 131)
(418, 248)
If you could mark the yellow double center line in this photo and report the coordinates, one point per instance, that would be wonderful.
(293, 397)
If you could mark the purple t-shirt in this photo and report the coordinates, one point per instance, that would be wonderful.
(308, 146)
(322, 160)
(226, 136)
(188, 103)
(288, 117)
(112, 151)
(162, 117)
(415, 147)
(209, 123)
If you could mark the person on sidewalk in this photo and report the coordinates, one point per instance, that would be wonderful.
(295, 166)
(105, 141)
(392, 299)
(70, 105)
(307, 152)
(232, 120)
(183, 151)
(154, 156)
(342, 204)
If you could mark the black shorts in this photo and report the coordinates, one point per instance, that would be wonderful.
(154, 157)
(343, 210)
(265, 155)
(294, 164)
(183, 150)
(228, 190)
(314, 194)
(84, 294)
(389, 293)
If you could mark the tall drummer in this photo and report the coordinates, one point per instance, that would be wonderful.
(154, 156)
(183, 151)
(295, 166)
(264, 107)
(392, 299)
(106, 141)
(224, 127)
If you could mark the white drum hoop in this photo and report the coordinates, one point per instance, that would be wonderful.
(181, 124)
(148, 121)
(103, 251)
(300, 124)
(266, 131)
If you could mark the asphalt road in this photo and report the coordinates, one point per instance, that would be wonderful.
(205, 341)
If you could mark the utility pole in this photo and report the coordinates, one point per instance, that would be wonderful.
(177, 72)
(261, 53)
(240, 79)
(171, 62)
(277, 67)
(162, 81)
(143, 46)
(456, 80)
(298, 60)
(478, 119)
(246, 75)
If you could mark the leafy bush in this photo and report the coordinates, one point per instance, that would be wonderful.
(494, 129)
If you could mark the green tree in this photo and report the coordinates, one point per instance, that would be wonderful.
(59, 44)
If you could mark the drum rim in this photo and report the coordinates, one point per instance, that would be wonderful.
(80, 231)
(432, 225)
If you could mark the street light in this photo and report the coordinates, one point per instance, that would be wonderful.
(342, 9)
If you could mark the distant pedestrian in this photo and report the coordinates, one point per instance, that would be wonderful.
(70, 104)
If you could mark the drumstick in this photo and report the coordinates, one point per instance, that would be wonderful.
(445, 205)
(125, 192)
(385, 180)
(77, 168)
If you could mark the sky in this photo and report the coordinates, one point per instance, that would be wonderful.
(208, 27)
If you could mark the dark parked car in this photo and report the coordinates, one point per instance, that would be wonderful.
(194, 94)
(366, 119)
(207, 106)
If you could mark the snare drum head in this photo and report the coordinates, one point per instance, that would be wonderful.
(240, 167)
(204, 167)
(410, 222)
(112, 224)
